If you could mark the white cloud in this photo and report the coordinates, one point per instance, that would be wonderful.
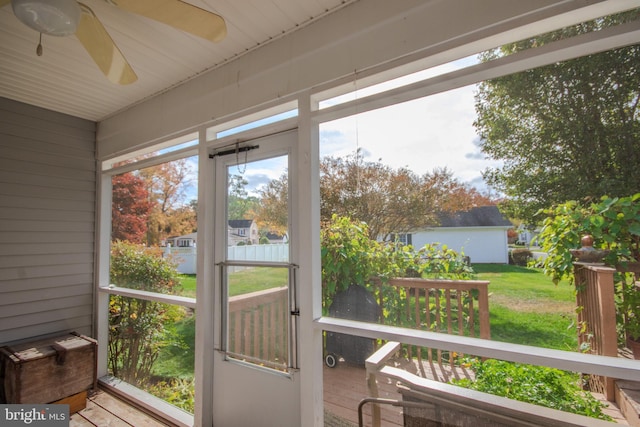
(424, 134)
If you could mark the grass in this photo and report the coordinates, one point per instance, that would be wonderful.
(527, 308)
(242, 282)
(188, 282)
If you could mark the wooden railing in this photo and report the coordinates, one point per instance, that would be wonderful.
(447, 306)
(596, 318)
(258, 327)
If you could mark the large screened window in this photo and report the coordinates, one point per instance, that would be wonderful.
(152, 272)
(460, 158)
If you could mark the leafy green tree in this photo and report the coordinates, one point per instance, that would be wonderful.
(614, 224)
(241, 205)
(563, 131)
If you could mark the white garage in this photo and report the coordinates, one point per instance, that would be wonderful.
(480, 233)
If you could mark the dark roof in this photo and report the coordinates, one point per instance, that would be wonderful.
(240, 223)
(483, 216)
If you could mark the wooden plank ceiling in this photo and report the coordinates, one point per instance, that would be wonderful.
(65, 79)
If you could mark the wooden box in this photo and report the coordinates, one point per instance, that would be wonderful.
(48, 370)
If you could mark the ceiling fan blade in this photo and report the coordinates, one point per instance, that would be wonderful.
(180, 15)
(99, 44)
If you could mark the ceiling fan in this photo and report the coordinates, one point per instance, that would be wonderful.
(67, 17)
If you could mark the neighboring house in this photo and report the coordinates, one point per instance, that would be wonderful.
(186, 241)
(243, 230)
(526, 235)
(481, 233)
(275, 238)
(240, 230)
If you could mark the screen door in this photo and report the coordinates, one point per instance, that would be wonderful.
(256, 358)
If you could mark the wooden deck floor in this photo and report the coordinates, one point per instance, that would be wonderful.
(105, 410)
(346, 385)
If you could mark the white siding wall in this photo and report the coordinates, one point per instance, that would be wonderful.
(483, 246)
(47, 216)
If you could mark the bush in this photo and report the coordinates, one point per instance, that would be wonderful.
(614, 224)
(137, 328)
(538, 385)
(520, 257)
(349, 257)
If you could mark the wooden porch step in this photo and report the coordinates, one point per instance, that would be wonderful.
(628, 398)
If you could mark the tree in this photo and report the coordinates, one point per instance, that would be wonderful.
(272, 212)
(130, 207)
(241, 205)
(564, 131)
(389, 200)
(167, 185)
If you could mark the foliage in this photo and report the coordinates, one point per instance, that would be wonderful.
(564, 131)
(349, 257)
(520, 257)
(179, 392)
(137, 327)
(614, 224)
(273, 210)
(538, 385)
(130, 208)
(389, 200)
(241, 205)
(167, 184)
(628, 302)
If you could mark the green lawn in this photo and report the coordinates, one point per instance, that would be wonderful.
(188, 282)
(527, 308)
(242, 282)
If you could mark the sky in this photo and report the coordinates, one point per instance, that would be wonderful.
(422, 135)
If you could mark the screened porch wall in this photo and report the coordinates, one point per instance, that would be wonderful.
(47, 220)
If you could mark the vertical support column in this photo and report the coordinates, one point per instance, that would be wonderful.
(102, 255)
(310, 286)
(205, 301)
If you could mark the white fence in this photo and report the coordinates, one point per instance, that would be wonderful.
(186, 257)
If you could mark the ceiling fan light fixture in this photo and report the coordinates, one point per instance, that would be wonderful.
(52, 17)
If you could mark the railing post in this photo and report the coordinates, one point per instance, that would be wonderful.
(597, 315)
(483, 310)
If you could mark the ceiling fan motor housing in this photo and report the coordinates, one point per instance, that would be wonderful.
(52, 17)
